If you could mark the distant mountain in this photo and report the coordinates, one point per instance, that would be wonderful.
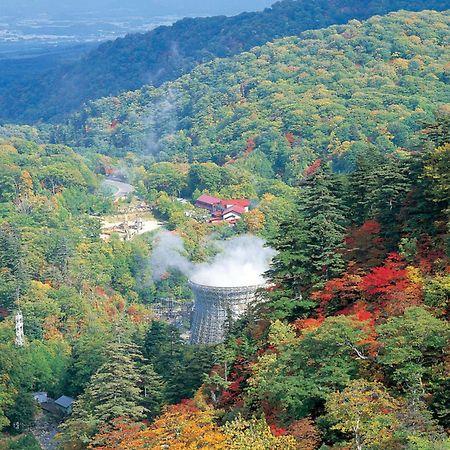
(57, 8)
(169, 52)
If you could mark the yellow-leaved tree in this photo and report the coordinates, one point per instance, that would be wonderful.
(365, 410)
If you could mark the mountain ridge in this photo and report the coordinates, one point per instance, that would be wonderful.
(166, 53)
(385, 75)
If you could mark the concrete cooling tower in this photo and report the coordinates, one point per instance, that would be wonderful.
(213, 306)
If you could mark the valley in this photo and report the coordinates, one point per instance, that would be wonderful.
(228, 233)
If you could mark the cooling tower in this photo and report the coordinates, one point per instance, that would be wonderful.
(214, 306)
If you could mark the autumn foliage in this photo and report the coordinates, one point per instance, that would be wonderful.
(365, 246)
(392, 287)
(110, 437)
(312, 169)
(191, 425)
(182, 426)
(387, 280)
(306, 434)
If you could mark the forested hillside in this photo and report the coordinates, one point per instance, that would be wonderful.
(336, 93)
(168, 52)
(340, 140)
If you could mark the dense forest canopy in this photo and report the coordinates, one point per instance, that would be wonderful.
(340, 139)
(168, 52)
(336, 93)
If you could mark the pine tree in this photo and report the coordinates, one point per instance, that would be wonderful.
(388, 188)
(162, 345)
(113, 392)
(356, 196)
(289, 269)
(422, 214)
(438, 132)
(308, 244)
(182, 367)
(324, 219)
(359, 184)
(153, 391)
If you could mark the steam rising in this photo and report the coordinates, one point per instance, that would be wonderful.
(161, 121)
(169, 253)
(242, 261)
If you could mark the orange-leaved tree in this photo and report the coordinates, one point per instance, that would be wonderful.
(181, 427)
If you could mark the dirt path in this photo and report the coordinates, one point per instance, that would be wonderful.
(45, 430)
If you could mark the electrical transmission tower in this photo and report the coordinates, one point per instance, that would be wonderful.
(20, 338)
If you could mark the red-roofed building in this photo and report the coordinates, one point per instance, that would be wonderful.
(242, 202)
(233, 213)
(223, 210)
(208, 202)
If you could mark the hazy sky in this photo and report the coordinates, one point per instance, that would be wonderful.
(57, 8)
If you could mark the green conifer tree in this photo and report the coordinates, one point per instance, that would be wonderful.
(153, 391)
(308, 244)
(387, 192)
(114, 391)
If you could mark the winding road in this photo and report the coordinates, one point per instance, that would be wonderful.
(119, 188)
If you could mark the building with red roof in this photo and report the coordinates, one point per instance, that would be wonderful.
(233, 213)
(230, 210)
(208, 202)
(242, 202)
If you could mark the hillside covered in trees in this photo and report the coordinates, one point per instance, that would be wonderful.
(336, 93)
(340, 137)
(168, 52)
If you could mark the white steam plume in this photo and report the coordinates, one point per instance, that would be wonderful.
(242, 261)
(168, 253)
(161, 122)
